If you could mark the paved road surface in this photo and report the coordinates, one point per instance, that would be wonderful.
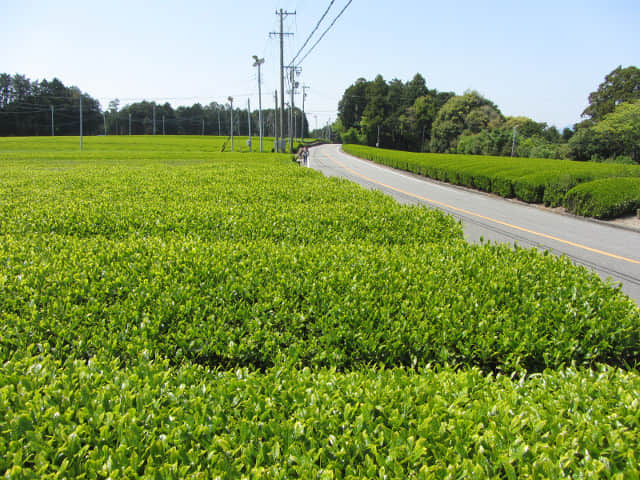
(611, 252)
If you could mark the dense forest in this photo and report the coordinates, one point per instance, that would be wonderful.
(410, 116)
(28, 108)
(36, 108)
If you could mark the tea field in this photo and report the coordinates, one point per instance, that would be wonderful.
(547, 181)
(171, 311)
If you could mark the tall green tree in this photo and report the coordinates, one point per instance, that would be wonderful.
(621, 85)
(376, 111)
(416, 88)
(468, 113)
(623, 127)
(403, 112)
(352, 104)
(25, 108)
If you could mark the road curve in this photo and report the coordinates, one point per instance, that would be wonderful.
(613, 253)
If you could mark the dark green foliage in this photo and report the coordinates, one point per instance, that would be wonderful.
(622, 128)
(586, 145)
(607, 198)
(404, 112)
(25, 108)
(470, 113)
(619, 86)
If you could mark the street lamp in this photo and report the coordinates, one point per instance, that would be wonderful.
(231, 100)
(257, 63)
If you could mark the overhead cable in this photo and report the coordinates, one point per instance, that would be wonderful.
(325, 32)
(314, 31)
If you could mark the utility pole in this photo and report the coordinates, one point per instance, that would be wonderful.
(288, 105)
(154, 119)
(104, 119)
(293, 89)
(294, 85)
(249, 115)
(203, 127)
(304, 118)
(275, 121)
(513, 144)
(231, 100)
(80, 121)
(258, 62)
(53, 131)
(282, 34)
(218, 121)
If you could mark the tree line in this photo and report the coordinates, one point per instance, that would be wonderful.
(37, 108)
(44, 107)
(410, 116)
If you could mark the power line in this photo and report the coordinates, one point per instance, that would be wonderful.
(325, 32)
(314, 31)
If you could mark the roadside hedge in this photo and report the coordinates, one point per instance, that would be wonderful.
(530, 180)
(607, 198)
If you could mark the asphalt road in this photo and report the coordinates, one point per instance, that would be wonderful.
(612, 252)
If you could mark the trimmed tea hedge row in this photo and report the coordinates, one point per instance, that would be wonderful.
(530, 180)
(126, 147)
(96, 419)
(608, 198)
(236, 197)
(259, 304)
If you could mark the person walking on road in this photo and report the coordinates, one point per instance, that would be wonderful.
(305, 156)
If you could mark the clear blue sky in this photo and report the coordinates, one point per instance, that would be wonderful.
(539, 59)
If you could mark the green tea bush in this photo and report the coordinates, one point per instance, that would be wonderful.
(607, 198)
(257, 304)
(250, 261)
(167, 311)
(530, 180)
(97, 419)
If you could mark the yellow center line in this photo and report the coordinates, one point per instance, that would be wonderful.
(489, 219)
